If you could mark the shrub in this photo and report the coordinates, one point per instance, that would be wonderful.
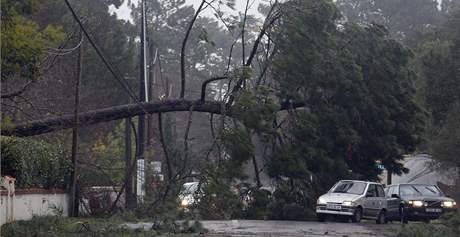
(218, 201)
(292, 201)
(257, 208)
(34, 163)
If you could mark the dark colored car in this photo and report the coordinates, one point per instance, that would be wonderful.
(417, 202)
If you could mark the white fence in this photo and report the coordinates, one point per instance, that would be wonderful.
(25, 204)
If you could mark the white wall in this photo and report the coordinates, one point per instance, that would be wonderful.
(27, 205)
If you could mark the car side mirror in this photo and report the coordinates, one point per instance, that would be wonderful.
(394, 195)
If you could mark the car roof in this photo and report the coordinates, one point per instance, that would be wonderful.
(411, 184)
(361, 181)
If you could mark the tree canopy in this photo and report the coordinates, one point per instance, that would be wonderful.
(357, 85)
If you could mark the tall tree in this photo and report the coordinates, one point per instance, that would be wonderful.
(357, 86)
(438, 62)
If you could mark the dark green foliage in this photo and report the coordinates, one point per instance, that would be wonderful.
(56, 226)
(23, 41)
(308, 153)
(63, 227)
(218, 201)
(258, 204)
(34, 163)
(438, 61)
(446, 144)
(293, 200)
(256, 109)
(104, 163)
(392, 122)
(239, 148)
(358, 89)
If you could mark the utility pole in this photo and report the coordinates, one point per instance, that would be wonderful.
(74, 193)
(130, 195)
(143, 86)
(152, 61)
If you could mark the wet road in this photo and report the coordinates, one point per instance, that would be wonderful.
(246, 228)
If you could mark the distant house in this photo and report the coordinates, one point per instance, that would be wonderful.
(421, 171)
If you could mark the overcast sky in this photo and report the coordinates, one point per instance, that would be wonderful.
(124, 12)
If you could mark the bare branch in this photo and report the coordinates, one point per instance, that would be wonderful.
(269, 21)
(165, 148)
(187, 132)
(17, 92)
(182, 51)
(243, 43)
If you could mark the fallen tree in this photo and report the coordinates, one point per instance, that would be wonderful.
(47, 125)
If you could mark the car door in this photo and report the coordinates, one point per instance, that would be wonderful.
(381, 201)
(392, 201)
(371, 201)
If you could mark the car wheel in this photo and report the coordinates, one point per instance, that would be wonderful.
(358, 214)
(321, 217)
(382, 217)
(402, 215)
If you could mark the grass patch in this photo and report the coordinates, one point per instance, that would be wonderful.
(79, 227)
(447, 226)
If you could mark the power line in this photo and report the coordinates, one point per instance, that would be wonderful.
(101, 55)
(62, 52)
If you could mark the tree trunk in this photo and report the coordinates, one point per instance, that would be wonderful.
(43, 126)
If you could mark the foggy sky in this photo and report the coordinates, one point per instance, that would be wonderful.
(124, 12)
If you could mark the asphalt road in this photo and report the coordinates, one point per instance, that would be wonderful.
(246, 228)
(253, 228)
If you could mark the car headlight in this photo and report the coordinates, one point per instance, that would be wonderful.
(416, 203)
(321, 201)
(184, 202)
(347, 203)
(449, 204)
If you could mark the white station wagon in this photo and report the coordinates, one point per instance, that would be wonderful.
(354, 200)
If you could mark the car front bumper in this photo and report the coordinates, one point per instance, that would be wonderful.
(422, 214)
(344, 211)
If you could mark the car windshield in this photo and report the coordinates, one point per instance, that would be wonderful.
(419, 190)
(349, 187)
(189, 188)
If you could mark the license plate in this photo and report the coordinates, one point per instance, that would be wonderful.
(437, 210)
(334, 206)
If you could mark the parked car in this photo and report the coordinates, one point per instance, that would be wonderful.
(417, 202)
(188, 194)
(354, 200)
